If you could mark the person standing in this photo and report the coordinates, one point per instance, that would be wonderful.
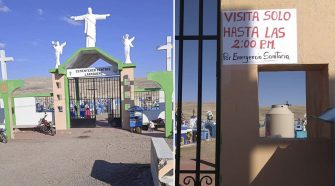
(87, 111)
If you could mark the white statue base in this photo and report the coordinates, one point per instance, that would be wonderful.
(128, 61)
(90, 42)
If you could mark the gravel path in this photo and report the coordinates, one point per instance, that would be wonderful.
(98, 156)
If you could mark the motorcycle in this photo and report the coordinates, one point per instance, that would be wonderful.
(3, 137)
(46, 127)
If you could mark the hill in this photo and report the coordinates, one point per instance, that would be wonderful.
(188, 108)
(44, 85)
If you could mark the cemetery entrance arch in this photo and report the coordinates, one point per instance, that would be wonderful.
(100, 89)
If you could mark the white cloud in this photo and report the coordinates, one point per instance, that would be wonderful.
(2, 45)
(70, 21)
(21, 59)
(40, 11)
(3, 7)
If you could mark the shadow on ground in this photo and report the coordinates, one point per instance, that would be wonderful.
(119, 174)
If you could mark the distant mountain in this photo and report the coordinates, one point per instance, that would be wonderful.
(44, 85)
(35, 85)
(188, 108)
(142, 82)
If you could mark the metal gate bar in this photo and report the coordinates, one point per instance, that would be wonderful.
(147, 99)
(102, 92)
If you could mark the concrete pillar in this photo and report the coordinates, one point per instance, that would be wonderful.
(127, 94)
(6, 89)
(165, 81)
(58, 86)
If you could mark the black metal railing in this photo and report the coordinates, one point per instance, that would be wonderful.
(148, 100)
(197, 176)
(89, 97)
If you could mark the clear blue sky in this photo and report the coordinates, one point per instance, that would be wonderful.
(279, 87)
(29, 26)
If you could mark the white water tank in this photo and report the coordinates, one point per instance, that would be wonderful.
(280, 122)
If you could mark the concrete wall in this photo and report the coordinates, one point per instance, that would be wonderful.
(247, 159)
(25, 112)
(162, 163)
(147, 116)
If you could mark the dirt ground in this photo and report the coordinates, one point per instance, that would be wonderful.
(96, 156)
(207, 163)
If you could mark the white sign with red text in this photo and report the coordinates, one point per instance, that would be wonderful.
(259, 36)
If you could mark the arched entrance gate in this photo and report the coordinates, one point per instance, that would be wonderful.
(82, 92)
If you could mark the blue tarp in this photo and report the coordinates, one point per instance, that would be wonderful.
(135, 108)
(328, 116)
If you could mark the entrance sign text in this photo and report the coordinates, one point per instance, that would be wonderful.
(92, 72)
(259, 36)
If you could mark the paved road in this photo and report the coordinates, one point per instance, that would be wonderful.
(99, 156)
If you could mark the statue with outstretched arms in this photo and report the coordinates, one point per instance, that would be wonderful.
(90, 25)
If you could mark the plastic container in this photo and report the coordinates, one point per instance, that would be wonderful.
(136, 119)
(301, 134)
(280, 122)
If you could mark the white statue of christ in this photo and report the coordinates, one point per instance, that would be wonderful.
(58, 51)
(90, 25)
(127, 44)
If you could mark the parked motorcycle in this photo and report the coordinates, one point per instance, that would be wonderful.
(46, 127)
(3, 137)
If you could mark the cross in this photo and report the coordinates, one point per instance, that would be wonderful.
(4, 60)
(168, 47)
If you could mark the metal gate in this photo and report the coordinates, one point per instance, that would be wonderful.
(148, 100)
(204, 31)
(89, 97)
